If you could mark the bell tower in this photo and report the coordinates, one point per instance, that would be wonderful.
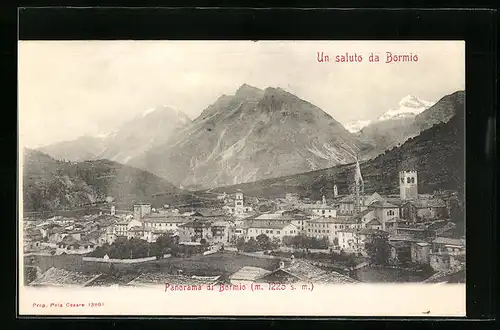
(238, 202)
(408, 185)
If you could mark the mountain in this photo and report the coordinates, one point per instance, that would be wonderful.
(407, 120)
(150, 129)
(50, 184)
(408, 107)
(251, 135)
(356, 126)
(437, 153)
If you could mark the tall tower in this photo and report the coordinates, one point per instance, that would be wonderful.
(238, 203)
(113, 210)
(323, 200)
(335, 191)
(360, 185)
(408, 185)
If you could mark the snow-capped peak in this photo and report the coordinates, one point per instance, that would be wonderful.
(105, 135)
(148, 111)
(356, 126)
(408, 106)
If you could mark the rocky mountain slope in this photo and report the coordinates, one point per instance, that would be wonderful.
(411, 117)
(251, 135)
(152, 128)
(437, 153)
(50, 184)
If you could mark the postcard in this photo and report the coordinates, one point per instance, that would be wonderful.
(241, 178)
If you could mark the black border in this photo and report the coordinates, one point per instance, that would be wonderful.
(477, 27)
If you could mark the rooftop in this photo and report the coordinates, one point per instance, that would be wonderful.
(449, 241)
(60, 277)
(305, 271)
(164, 219)
(162, 279)
(336, 220)
(383, 204)
(268, 225)
(248, 273)
(426, 203)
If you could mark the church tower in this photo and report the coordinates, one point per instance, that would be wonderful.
(360, 187)
(408, 185)
(238, 202)
(335, 191)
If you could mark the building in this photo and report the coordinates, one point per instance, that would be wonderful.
(64, 278)
(373, 224)
(384, 211)
(162, 223)
(248, 275)
(420, 210)
(303, 272)
(240, 208)
(329, 228)
(420, 253)
(412, 232)
(164, 281)
(221, 232)
(273, 229)
(447, 253)
(292, 197)
(400, 252)
(137, 232)
(141, 210)
(408, 185)
(195, 231)
(121, 228)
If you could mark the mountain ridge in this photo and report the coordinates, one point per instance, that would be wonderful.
(252, 134)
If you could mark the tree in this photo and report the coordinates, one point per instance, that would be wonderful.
(377, 247)
(275, 243)
(263, 241)
(251, 246)
(240, 243)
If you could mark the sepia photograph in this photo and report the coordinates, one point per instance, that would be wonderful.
(264, 177)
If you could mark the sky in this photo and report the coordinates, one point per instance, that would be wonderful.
(67, 89)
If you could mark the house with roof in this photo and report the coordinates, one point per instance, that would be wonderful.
(414, 231)
(452, 275)
(248, 275)
(304, 272)
(329, 227)
(195, 231)
(121, 228)
(420, 252)
(137, 232)
(273, 229)
(70, 245)
(170, 281)
(222, 231)
(162, 223)
(447, 253)
(32, 239)
(384, 211)
(373, 224)
(451, 245)
(56, 277)
(399, 252)
(419, 210)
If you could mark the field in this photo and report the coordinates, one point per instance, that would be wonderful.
(222, 263)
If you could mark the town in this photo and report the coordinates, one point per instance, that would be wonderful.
(332, 240)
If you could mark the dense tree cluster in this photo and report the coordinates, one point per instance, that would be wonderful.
(137, 248)
(306, 242)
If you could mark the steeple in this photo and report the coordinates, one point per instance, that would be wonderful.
(358, 178)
